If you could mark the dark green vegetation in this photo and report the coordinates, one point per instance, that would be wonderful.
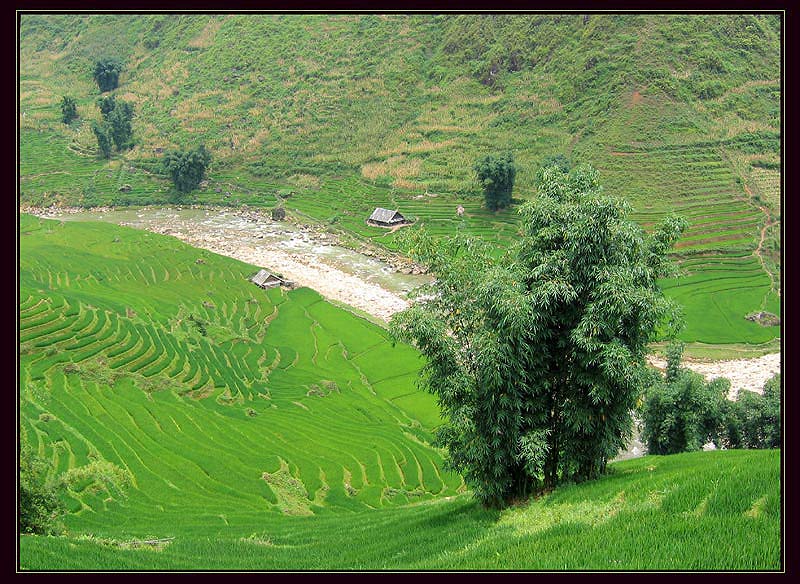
(101, 132)
(69, 111)
(40, 508)
(538, 359)
(187, 169)
(349, 112)
(106, 73)
(683, 411)
(209, 424)
(496, 176)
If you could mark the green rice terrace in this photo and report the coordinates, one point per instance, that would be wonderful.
(334, 115)
(196, 421)
(200, 422)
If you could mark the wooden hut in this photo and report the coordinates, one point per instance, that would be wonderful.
(386, 218)
(264, 279)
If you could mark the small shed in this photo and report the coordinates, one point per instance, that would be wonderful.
(264, 279)
(386, 218)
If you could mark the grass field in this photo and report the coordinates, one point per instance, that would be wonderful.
(270, 430)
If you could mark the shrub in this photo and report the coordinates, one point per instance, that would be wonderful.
(69, 110)
(754, 420)
(40, 508)
(682, 412)
(106, 73)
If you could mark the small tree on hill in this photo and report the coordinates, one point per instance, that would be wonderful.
(120, 124)
(69, 111)
(538, 359)
(106, 103)
(496, 176)
(106, 73)
(188, 168)
(103, 139)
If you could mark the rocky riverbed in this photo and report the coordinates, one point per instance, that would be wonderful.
(369, 279)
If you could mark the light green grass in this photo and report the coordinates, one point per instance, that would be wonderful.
(698, 511)
(271, 430)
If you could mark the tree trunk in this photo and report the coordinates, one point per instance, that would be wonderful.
(551, 464)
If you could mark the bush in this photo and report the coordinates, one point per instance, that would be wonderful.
(754, 420)
(106, 73)
(40, 508)
(682, 412)
(69, 110)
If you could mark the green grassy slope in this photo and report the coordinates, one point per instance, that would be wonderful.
(271, 430)
(165, 362)
(698, 511)
(348, 112)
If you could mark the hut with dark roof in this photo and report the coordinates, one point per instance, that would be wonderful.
(386, 218)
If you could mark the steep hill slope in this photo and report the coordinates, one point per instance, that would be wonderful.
(349, 112)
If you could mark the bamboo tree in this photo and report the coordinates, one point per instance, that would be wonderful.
(538, 358)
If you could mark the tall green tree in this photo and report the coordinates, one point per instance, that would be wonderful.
(106, 73)
(69, 111)
(106, 103)
(187, 168)
(537, 359)
(496, 176)
(120, 125)
(101, 132)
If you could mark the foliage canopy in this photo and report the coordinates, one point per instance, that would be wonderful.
(106, 73)
(496, 175)
(682, 412)
(40, 508)
(187, 168)
(538, 358)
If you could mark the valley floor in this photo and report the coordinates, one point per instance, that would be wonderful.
(312, 270)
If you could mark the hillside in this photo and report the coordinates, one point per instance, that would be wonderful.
(244, 429)
(342, 113)
(349, 112)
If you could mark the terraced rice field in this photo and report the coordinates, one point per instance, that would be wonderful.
(233, 428)
(212, 398)
(722, 280)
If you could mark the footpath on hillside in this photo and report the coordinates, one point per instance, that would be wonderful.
(311, 270)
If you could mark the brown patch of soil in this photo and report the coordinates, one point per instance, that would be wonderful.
(681, 244)
(636, 98)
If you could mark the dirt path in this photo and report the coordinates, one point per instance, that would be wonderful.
(762, 236)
